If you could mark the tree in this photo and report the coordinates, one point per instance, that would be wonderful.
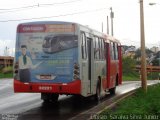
(138, 53)
(128, 65)
(156, 62)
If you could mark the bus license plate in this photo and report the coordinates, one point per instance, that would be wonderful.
(45, 77)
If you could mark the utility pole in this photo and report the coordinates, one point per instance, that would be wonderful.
(159, 60)
(102, 27)
(112, 16)
(159, 54)
(143, 53)
(107, 26)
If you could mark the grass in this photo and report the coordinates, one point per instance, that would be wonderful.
(6, 72)
(7, 75)
(139, 103)
(153, 76)
(8, 69)
(136, 76)
(130, 76)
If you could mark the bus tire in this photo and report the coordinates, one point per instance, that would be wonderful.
(49, 97)
(112, 90)
(54, 97)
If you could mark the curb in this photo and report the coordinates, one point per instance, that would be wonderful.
(86, 115)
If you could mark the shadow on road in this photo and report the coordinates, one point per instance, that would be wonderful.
(65, 108)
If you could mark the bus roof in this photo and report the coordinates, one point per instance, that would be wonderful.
(46, 22)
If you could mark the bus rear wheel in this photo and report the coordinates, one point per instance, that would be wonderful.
(112, 91)
(49, 97)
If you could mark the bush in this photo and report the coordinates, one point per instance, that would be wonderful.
(1, 67)
(128, 65)
(8, 69)
(153, 75)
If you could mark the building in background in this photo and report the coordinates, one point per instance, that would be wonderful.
(129, 51)
(154, 49)
(6, 61)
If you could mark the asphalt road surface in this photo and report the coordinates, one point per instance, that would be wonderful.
(24, 106)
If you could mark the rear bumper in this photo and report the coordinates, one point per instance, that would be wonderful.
(60, 88)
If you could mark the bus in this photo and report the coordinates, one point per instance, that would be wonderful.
(56, 57)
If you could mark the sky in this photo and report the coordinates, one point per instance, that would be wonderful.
(92, 13)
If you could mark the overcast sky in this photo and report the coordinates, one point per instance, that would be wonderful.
(85, 12)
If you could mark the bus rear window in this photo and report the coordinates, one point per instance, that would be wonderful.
(58, 43)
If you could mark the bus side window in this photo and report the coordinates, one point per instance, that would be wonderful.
(112, 51)
(83, 45)
(101, 49)
(97, 48)
(106, 45)
(116, 51)
(102, 45)
(94, 46)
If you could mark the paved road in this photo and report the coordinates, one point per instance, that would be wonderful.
(30, 106)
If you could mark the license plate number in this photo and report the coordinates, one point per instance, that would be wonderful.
(45, 77)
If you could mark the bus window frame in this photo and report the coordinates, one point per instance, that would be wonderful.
(83, 45)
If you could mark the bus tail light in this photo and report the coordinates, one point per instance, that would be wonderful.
(76, 66)
(76, 71)
(75, 77)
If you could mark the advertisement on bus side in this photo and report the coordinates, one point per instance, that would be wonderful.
(46, 53)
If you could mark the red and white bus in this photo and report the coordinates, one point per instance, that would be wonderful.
(54, 58)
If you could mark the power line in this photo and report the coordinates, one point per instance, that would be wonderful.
(35, 6)
(6, 10)
(38, 5)
(75, 13)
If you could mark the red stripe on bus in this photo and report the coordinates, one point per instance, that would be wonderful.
(108, 64)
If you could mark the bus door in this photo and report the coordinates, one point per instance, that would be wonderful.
(90, 62)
